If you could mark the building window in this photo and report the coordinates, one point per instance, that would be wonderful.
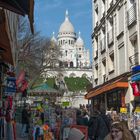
(121, 20)
(71, 64)
(96, 72)
(66, 52)
(104, 70)
(80, 56)
(121, 59)
(111, 63)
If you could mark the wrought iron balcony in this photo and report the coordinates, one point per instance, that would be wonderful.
(134, 60)
(110, 36)
(131, 15)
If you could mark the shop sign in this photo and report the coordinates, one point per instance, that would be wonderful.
(137, 109)
(10, 86)
(123, 110)
(65, 104)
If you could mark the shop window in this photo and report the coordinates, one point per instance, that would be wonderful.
(114, 100)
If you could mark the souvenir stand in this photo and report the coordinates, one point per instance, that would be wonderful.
(7, 94)
(46, 106)
(135, 84)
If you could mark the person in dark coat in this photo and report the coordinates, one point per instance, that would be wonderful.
(85, 118)
(25, 121)
(99, 126)
(92, 125)
(79, 119)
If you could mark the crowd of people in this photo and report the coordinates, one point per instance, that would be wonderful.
(99, 124)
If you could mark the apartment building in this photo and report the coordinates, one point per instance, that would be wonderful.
(115, 41)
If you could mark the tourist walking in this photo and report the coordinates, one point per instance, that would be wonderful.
(25, 121)
(119, 131)
(98, 126)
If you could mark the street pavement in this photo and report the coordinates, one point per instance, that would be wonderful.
(18, 132)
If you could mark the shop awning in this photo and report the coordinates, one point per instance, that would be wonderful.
(22, 7)
(105, 88)
(5, 42)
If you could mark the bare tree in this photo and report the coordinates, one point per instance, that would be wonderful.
(35, 53)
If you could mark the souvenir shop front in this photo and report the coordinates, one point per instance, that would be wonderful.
(110, 96)
(135, 84)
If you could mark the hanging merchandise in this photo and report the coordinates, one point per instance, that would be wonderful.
(135, 87)
(20, 77)
(136, 69)
(24, 86)
(10, 88)
(135, 77)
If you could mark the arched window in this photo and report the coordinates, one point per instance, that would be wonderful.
(61, 64)
(71, 64)
(66, 64)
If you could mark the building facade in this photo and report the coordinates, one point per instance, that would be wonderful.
(115, 40)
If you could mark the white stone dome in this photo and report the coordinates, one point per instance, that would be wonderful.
(79, 41)
(66, 26)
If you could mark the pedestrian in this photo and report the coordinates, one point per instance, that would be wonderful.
(79, 119)
(8, 118)
(85, 119)
(99, 126)
(25, 121)
(92, 125)
(119, 131)
(42, 116)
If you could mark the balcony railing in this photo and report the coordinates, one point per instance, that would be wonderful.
(131, 15)
(134, 60)
(102, 45)
(110, 36)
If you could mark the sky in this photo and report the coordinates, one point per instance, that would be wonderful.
(50, 14)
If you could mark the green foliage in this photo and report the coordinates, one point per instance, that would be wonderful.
(50, 82)
(77, 83)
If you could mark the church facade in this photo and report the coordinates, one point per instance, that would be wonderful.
(74, 62)
(74, 54)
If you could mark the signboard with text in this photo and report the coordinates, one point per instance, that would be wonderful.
(10, 88)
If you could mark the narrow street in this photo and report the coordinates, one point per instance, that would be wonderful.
(70, 69)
